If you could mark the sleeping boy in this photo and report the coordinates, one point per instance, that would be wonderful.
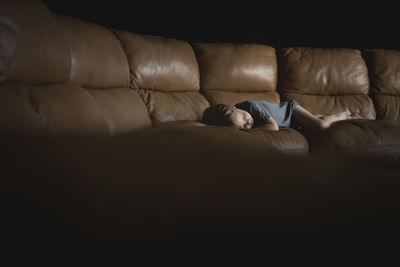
(255, 113)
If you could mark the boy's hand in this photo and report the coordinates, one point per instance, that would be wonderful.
(270, 125)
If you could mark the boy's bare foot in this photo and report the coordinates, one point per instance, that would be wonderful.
(336, 117)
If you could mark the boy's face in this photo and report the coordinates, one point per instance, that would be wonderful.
(241, 119)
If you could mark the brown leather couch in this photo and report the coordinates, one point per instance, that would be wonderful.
(62, 76)
(103, 151)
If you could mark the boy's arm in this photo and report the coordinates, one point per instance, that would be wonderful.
(261, 114)
(270, 125)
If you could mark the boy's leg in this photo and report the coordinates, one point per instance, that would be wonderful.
(309, 121)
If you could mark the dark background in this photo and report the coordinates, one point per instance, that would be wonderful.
(371, 24)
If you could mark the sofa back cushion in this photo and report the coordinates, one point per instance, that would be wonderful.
(97, 58)
(52, 69)
(67, 108)
(231, 73)
(33, 49)
(325, 80)
(99, 66)
(122, 108)
(56, 109)
(164, 72)
(384, 71)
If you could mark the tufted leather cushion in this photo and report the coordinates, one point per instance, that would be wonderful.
(325, 80)
(166, 75)
(231, 73)
(33, 48)
(97, 57)
(384, 70)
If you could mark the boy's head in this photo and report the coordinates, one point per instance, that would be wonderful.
(226, 115)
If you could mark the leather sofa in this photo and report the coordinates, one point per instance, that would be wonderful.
(102, 140)
(61, 75)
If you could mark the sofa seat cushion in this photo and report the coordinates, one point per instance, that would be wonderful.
(181, 123)
(287, 140)
(378, 139)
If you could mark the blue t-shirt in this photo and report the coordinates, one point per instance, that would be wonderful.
(261, 111)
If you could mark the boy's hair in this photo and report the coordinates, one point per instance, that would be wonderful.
(218, 115)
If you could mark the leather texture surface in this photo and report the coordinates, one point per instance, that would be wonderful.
(236, 67)
(323, 105)
(373, 139)
(325, 73)
(165, 73)
(387, 107)
(231, 73)
(59, 109)
(287, 140)
(67, 108)
(97, 58)
(384, 72)
(64, 76)
(160, 63)
(181, 123)
(33, 48)
(172, 106)
(231, 98)
(123, 109)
